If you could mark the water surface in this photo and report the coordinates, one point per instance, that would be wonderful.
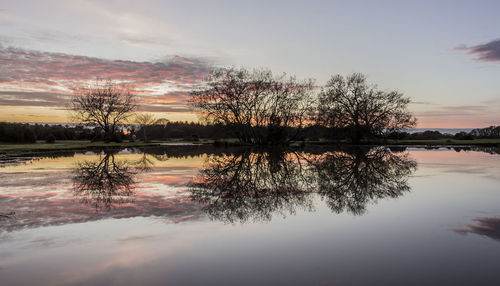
(194, 215)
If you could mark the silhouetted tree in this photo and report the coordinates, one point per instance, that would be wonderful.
(145, 120)
(103, 105)
(259, 107)
(488, 132)
(352, 103)
(18, 133)
(50, 139)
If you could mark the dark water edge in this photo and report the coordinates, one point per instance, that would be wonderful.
(183, 150)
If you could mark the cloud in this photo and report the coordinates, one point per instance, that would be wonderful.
(141, 39)
(489, 52)
(33, 98)
(168, 102)
(35, 78)
(23, 66)
(457, 110)
(422, 103)
(479, 114)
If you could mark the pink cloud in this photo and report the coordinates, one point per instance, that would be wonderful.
(35, 78)
(488, 52)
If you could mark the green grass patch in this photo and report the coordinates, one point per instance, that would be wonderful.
(70, 145)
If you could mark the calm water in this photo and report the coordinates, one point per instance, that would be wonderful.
(201, 216)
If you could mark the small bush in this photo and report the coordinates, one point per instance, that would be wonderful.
(50, 139)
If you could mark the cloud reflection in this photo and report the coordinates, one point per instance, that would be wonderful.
(485, 226)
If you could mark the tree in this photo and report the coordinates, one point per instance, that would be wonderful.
(104, 105)
(362, 108)
(260, 108)
(147, 119)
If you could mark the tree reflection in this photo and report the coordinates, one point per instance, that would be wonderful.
(253, 186)
(107, 182)
(349, 180)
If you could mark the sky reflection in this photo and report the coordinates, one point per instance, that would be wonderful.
(164, 234)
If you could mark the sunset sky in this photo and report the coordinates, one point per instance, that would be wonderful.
(445, 55)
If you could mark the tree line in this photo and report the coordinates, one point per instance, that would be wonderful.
(194, 131)
(260, 108)
(29, 133)
(254, 106)
(189, 131)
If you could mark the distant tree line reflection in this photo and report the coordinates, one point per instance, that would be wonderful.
(252, 186)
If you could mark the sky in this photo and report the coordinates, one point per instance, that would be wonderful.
(444, 55)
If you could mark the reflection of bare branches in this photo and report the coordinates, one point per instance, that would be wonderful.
(144, 164)
(256, 185)
(251, 187)
(160, 157)
(105, 182)
(350, 180)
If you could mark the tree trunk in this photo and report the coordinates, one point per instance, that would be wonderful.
(357, 134)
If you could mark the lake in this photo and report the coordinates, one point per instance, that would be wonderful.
(199, 215)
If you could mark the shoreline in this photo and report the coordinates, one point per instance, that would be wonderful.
(75, 145)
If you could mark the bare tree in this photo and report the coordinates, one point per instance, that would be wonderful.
(352, 103)
(262, 108)
(147, 119)
(104, 105)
